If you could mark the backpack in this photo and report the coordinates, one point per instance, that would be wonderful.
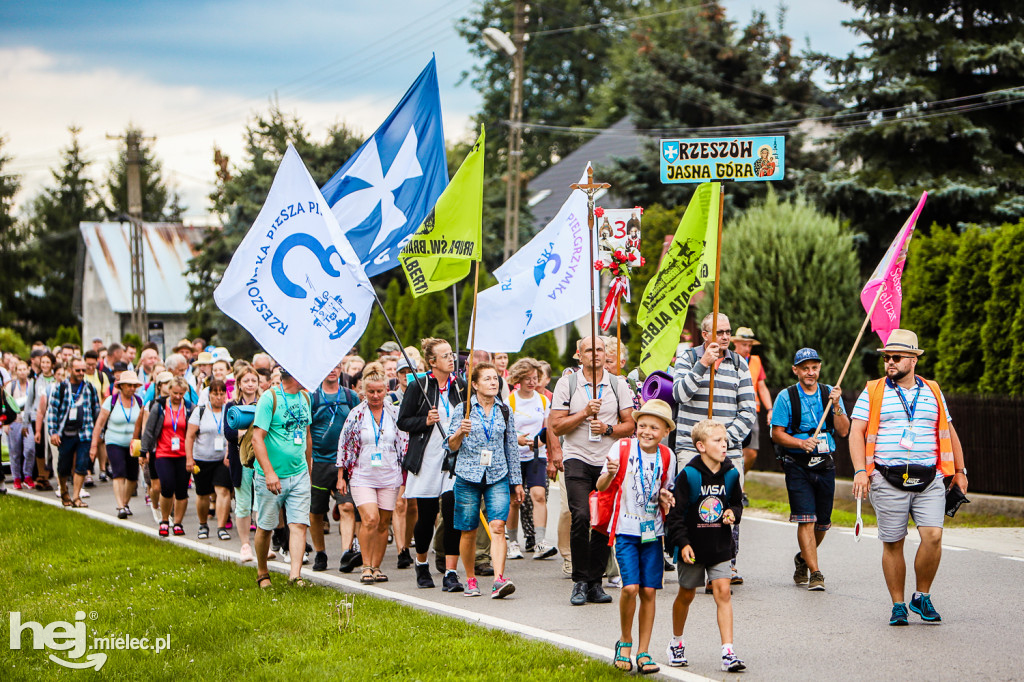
(246, 451)
(795, 416)
(611, 384)
(604, 504)
(8, 409)
(692, 479)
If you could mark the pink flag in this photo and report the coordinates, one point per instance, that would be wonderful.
(886, 282)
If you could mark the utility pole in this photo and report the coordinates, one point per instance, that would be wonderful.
(133, 166)
(513, 191)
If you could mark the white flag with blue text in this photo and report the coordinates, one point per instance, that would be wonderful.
(542, 286)
(295, 282)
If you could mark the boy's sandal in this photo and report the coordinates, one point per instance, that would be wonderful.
(367, 577)
(223, 534)
(647, 666)
(298, 582)
(619, 658)
(260, 579)
(79, 503)
(65, 499)
(378, 576)
(165, 529)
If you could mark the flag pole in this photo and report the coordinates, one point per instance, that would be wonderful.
(472, 337)
(714, 319)
(412, 365)
(590, 188)
(849, 358)
(618, 340)
(455, 316)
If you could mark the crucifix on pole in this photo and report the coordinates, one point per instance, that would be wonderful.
(591, 189)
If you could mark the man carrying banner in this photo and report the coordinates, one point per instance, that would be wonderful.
(591, 412)
(902, 444)
(807, 461)
(733, 400)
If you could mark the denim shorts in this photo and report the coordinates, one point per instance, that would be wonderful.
(640, 563)
(293, 499)
(73, 453)
(811, 494)
(467, 502)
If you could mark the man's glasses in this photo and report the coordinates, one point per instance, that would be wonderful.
(893, 358)
(725, 332)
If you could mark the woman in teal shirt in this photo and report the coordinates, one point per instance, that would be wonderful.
(120, 414)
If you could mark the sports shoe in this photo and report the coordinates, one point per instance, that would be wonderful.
(921, 604)
(246, 553)
(349, 560)
(817, 582)
(530, 545)
(17, 484)
(615, 581)
(404, 558)
(484, 569)
(450, 582)
(579, 593)
(597, 595)
(544, 551)
(731, 663)
(204, 531)
(85, 494)
(471, 588)
(899, 614)
(423, 579)
(502, 587)
(737, 579)
(88, 483)
(122, 513)
(103, 477)
(30, 483)
(676, 655)
(513, 551)
(800, 575)
(567, 566)
(128, 510)
(156, 514)
(320, 562)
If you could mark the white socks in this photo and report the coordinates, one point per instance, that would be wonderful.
(727, 649)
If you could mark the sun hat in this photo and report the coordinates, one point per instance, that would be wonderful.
(745, 334)
(221, 353)
(901, 341)
(204, 358)
(656, 408)
(128, 377)
(163, 377)
(184, 343)
(389, 347)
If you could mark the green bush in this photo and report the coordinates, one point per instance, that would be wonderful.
(925, 280)
(65, 335)
(11, 341)
(996, 337)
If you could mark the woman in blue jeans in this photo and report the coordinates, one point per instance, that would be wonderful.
(486, 465)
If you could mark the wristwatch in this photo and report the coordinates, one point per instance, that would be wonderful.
(608, 430)
(961, 471)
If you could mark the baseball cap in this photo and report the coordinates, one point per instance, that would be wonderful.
(402, 364)
(805, 354)
(389, 347)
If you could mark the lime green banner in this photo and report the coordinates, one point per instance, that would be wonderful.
(686, 268)
(440, 252)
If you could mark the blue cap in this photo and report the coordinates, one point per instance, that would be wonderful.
(805, 354)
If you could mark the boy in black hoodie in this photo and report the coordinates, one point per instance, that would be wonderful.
(708, 502)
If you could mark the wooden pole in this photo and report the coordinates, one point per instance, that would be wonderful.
(472, 338)
(455, 317)
(618, 340)
(590, 188)
(849, 358)
(714, 319)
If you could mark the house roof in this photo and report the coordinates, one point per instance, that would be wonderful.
(166, 249)
(549, 190)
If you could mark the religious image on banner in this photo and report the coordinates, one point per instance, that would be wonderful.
(619, 231)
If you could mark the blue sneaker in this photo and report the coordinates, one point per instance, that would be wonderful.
(899, 614)
(921, 604)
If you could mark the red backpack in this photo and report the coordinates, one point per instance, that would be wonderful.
(604, 504)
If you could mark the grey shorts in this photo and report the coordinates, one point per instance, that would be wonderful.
(691, 576)
(894, 508)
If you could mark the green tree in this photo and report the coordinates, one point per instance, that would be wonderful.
(997, 340)
(11, 342)
(960, 364)
(65, 334)
(966, 153)
(56, 247)
(159, 202)
(16, 270)
(570, 348)
(791, 273)
(925, 283)
(543, 348)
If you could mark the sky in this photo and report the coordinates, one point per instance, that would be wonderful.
(192, 73)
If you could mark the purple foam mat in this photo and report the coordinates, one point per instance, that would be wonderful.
(658, 385)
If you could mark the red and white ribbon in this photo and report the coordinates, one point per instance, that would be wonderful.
(618, 290)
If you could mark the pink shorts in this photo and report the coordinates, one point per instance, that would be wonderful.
(384, 498)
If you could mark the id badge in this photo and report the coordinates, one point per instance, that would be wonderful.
(823, 446)
(647, 531)
(907, 439)
(73, 413)
(175, 443)
(485, 458)
(219, 443)
(594, 437)
(376, 460)
(297, 439)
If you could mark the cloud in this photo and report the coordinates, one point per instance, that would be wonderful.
(42, 94)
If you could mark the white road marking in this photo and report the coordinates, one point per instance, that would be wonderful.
(1013, 558)
(593, 650)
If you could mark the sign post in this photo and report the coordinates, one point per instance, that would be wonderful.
(740, 159)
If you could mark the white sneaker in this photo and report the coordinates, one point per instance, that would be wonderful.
(676, 655)
(544, 551)
(513, 550)
(567, 566)
(156, 514)
(615, 581)
(246, 553)
(84, 494)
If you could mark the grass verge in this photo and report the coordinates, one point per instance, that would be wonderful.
(844, 512)
(221, 626)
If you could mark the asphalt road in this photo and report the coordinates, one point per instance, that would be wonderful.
(782, 631)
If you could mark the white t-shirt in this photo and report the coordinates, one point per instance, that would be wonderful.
(210, 435)
(632, 507)
(529, 419)
(389, 473)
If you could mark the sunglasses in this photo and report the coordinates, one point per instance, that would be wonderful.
(893, 358)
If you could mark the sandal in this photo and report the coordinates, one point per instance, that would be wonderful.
(648, 666)
(260, 579)
(379, 577)
(165, 529)
(65, 499)
(178, 529)
(298, 582)
(367, 577)
(619, 658)
(223, 534)
(78, 503)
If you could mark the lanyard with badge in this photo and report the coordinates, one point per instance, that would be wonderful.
(594, 437)
(442, 398)
(297, 435)
(376, 458)
(175, 439)
(219, 443)
(75, 402)
(907, 439)
(127, 413)
(485, 453)
(332, 405)
(649, 496)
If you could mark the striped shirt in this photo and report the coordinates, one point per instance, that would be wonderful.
(734, 398)
(893, 420)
